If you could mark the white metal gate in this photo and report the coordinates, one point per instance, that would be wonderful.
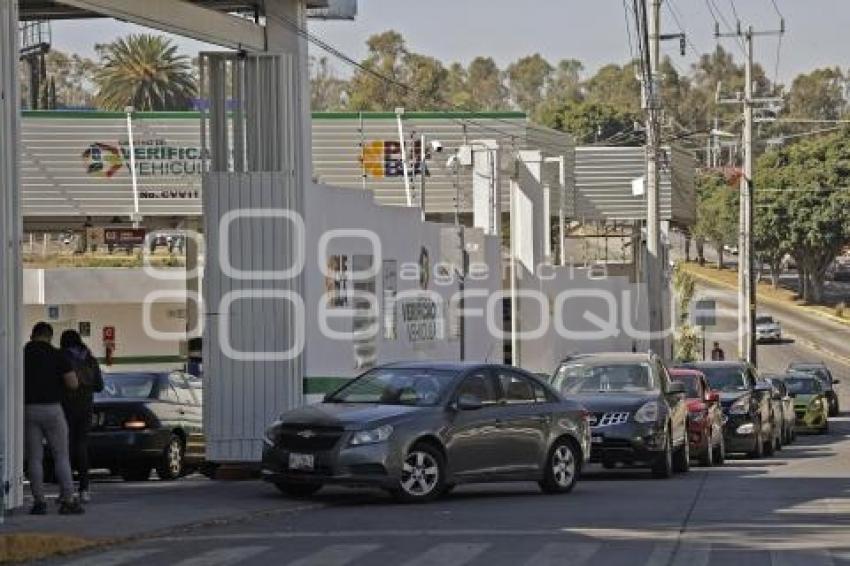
(253, 338)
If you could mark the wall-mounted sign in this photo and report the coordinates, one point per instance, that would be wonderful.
(423, 320)
(383, 158)
(124, 236)
(154, 158)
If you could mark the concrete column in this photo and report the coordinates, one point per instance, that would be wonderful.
(11, 372)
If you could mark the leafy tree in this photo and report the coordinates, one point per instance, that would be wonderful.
(327, 91)
(818, 95)
(771, 232)
(426, 78)
(386, 55)
(615, 86)
(69, 74)
(809, 181)
(527, 79)
(484, 85)
(144, 71)
(717, 213)
(563, 88)
(591, 122)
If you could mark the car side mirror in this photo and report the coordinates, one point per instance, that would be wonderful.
(469, 402)
(676, 388)
(712, 397)
(763, 388)
(836, 381)
(777, 396)
(792, 395)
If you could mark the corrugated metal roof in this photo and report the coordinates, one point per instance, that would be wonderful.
(603, 184)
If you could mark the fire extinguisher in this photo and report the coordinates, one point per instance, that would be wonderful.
(109, 344)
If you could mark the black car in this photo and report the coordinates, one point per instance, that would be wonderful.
(417, 429)
(147, 420)
(821, 370)
(746, 404)
(638, 414)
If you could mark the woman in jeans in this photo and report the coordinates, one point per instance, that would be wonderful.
(78, 404)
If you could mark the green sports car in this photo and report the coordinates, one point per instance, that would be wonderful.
(810, 403)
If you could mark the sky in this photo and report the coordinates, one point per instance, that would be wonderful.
(593, 31)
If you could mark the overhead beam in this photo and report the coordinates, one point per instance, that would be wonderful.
(182, 18)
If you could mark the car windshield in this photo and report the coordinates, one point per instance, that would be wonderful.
(691, 383)
(127, 386)
(579, 377)
(421, 387)
(802, 385)
(816, 371)
(764, 320)
(729, 378)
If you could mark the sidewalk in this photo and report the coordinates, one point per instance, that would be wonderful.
(124, 511)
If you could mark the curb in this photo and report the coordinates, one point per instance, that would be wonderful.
(776, 302)
(771, 300)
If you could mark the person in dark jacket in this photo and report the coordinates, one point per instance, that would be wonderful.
(47, 374)
(78, 404)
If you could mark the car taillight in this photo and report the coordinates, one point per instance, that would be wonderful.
(135, 423)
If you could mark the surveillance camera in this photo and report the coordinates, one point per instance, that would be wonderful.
(437, 145)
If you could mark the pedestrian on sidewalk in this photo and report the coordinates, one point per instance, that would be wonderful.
(47, 374)
(717, 353)
(78, 405)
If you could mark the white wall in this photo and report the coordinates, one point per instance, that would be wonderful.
(131, 338)
(402, 236)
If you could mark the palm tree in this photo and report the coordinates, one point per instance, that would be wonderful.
(144, 71)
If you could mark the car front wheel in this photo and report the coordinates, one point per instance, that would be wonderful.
(561, 469)
(758, 449)
(422, 475)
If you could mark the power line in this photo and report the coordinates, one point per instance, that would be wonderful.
(676, 17)
(629, 30)
(734, 11)
(714, 16)
(302, 32)
(776, 7)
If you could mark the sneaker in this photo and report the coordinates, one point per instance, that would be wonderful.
(39, 508)
(85, 496)
(72, 507)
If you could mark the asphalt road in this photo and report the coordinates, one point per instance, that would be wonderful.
(789, 510)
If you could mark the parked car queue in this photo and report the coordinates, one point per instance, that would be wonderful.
(419, 429)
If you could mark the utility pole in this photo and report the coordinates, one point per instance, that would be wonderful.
(648, 16)
(653, 213)
(747, 299)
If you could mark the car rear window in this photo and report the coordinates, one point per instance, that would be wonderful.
(127, 386)
(582, 377)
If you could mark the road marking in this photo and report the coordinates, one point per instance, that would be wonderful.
(224, 556)
(336, 555)
(449, 554)
(113, 558)
(564, 554)
(801, 558)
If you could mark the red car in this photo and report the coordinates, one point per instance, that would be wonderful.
(705, 417)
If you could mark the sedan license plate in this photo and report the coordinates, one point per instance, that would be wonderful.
(303, 462)
(596, 439)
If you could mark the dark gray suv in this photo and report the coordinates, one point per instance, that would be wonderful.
(638, 414)
(418, 429)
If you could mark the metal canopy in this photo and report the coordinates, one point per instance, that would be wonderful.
(56, 10)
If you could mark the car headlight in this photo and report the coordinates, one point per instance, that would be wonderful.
(371, 436)
(747, 428)
(648, 413)
(816, 404)
(740, 407)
